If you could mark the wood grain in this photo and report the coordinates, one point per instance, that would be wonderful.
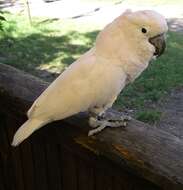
(147, 154)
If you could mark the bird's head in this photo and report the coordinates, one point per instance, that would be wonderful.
(140, 32)
(147, 27)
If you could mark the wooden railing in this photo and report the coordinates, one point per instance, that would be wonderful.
(60, 156)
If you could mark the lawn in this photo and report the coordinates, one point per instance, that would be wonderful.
(50, 45)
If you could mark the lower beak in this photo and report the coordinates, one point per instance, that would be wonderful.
(159, 43)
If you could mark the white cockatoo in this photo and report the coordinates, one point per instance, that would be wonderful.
(122, 51)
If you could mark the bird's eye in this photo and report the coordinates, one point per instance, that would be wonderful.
(144, 30)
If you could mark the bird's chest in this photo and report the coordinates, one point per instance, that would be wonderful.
(134, 70)
(108, 84)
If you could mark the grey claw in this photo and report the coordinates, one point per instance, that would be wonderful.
(127, 118)
(114, 121)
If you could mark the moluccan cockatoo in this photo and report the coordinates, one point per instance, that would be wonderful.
(122, 51)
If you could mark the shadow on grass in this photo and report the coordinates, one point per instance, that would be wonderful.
(35, 51)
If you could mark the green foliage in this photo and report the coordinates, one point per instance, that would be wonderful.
(2, 19)
(149, 116)
(51, 45)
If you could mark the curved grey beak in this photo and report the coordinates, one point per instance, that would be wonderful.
(159, 43)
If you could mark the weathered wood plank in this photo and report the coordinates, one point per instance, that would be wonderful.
(13, 166)
(103, 180)
(27, 165)
(40, 171)
(150, 153)
(69, 171)
(53, 170)
(85, 175)
(4, 153)
(2, 182)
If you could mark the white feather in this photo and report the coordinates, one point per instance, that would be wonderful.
(120, 54)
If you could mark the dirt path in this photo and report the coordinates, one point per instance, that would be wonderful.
(172, 107)
(172, 113)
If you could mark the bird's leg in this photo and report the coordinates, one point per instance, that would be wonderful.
(101, 121)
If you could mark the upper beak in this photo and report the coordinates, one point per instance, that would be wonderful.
(159, 43)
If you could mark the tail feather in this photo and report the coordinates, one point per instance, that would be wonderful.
(26, 130)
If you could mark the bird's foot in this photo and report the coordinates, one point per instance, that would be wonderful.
(102, 122)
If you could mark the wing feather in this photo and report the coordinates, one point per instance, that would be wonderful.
(64, 97)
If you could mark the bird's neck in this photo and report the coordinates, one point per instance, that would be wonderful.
(134, 60)
(133, 69)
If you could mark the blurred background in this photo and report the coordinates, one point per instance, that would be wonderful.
(43, 37)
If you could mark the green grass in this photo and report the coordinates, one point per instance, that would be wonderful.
(52, 45)
(49, 44)
(161, 76)
(149, 116)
